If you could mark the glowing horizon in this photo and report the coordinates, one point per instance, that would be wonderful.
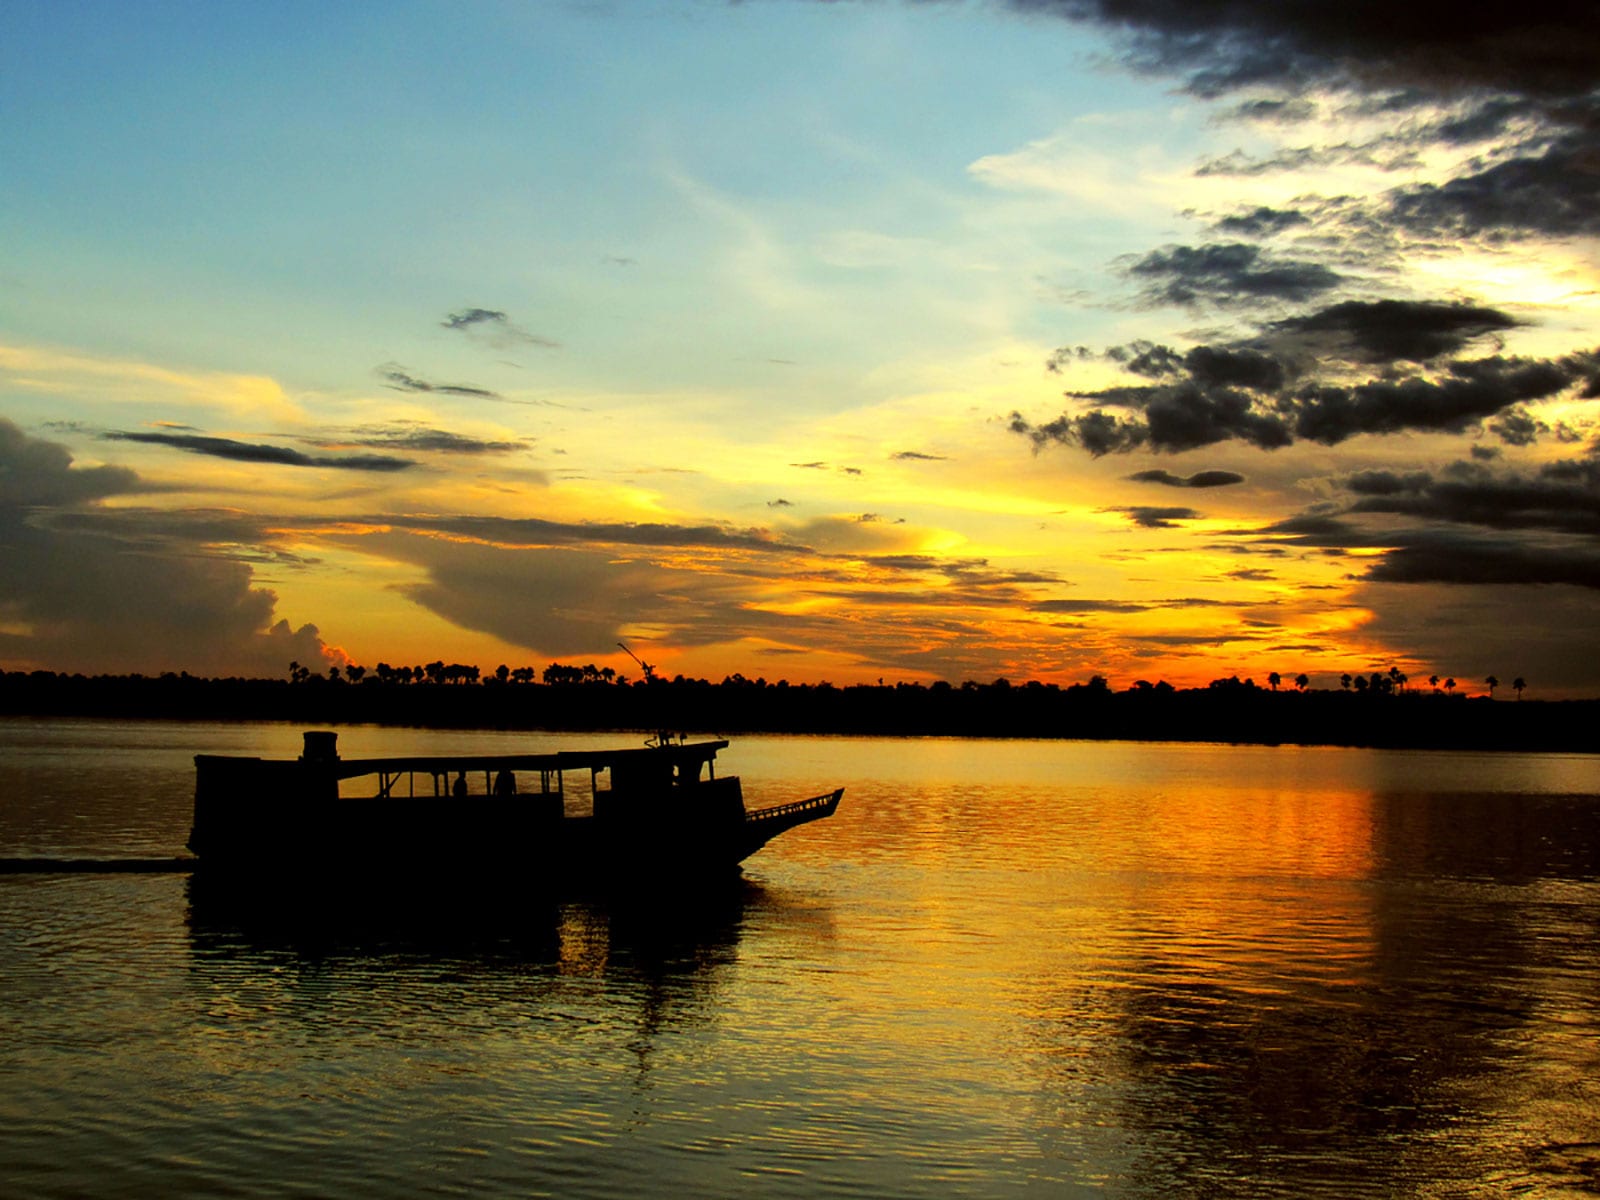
(797, 340)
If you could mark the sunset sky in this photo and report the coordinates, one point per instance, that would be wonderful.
(849, 340)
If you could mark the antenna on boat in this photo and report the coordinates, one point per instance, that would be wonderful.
(662, 737)
(649, 671)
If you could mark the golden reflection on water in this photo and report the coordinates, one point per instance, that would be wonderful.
(1245, 971)
(1002, 968)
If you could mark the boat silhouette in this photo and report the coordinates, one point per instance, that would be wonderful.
(654, 813)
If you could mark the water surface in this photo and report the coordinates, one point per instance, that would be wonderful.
(1004, 968)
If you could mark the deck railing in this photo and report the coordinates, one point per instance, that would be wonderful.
(778, 812)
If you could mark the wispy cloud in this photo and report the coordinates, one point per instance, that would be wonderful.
(255, 452)
(495, 328)
(424, 439)
(1200, 479)
(397, 377)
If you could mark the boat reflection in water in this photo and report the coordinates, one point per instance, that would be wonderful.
(417, 995)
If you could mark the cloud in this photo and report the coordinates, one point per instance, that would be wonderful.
(1546, 633)
(433, 440)
(917, 456)
(252, 452)
(1081, 607)
(538, 532)
(553, 601)
(1085, 607)
(1458, 560)
(1560, 497)
(1150, 517)
(1292, 381)
(495, 327)
(1465, 527)
(1200, 479)
(397, 377)
(111, 595)
(1171, 418)
(33, 471)
(1391, 331)
(1262, 221)
(1225, 45)
(1225, 274)
(1555, 192)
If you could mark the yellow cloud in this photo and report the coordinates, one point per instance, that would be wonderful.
(41, 369)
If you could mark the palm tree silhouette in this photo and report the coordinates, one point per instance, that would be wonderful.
(1518, 684)
(1493, 683)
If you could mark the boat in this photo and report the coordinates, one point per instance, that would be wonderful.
(656, 812)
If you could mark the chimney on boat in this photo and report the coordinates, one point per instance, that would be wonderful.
(321, 746)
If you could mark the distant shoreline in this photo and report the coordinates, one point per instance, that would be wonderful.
(1231, 713)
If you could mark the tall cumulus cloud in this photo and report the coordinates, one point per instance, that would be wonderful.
(86, 587)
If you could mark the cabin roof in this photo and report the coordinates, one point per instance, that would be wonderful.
(440, 764)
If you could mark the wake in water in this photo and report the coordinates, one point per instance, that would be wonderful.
(96, 866)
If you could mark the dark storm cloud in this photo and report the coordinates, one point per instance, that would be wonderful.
(1387, 483)
(1555, 193)
(1262, 222)
(1450, 76)
(1149, 359)
(1200, 479)
(1562, 497)
(254, 452)
(1548, 50)
(1226, 366)
(1465, 526)
(1465, 395)
(1388, 331)
(1290, 382)
(1492, 118)
(494, 327)
(1171, 418)
(400, 380)
(1517, 428)
(1476, 561)
(1223, 274)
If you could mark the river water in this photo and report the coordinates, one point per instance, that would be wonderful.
(1002, 969)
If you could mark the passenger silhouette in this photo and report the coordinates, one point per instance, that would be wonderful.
(505, 783)
(460, 788)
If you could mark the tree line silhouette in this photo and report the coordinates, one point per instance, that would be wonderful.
(1376, 709)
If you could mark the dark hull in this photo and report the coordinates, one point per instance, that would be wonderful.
(506, 841)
